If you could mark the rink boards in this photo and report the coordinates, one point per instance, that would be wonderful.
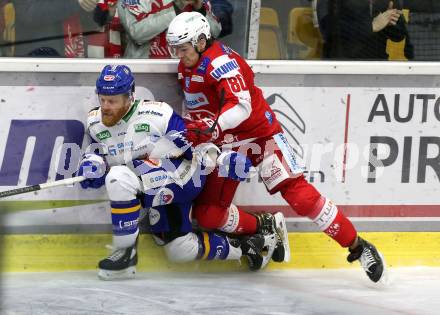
(68, 252)
(368, 138)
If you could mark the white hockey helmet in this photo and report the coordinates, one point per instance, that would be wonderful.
(187, 28)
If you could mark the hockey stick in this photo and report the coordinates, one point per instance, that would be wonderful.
(62, 182)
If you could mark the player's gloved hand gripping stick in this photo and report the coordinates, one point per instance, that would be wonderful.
(201, 131)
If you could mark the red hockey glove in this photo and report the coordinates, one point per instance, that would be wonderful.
(201, 131)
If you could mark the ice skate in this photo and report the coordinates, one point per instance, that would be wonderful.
(121, 264)
(258, 249)
(370, 258)
(275, 223)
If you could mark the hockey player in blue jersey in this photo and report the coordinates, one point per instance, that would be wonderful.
(147, 162)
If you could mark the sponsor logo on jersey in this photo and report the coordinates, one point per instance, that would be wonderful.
(159, 178)
(274, 173)
(160, 104)
(197, 78)
(203, 66)
(185, 172)
(269, 117)
(194, 100)
(112, 150)
(103, 135)
(333, 230)
(120, 148)
(229, 66)
(141, 128)
(155, 179)
(150, 112)
(126, 225)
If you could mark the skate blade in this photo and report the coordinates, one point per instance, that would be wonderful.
(109, 275)
(384, 280)
(281, 228)
(270, 242)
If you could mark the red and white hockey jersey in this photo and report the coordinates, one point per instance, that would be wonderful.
(245, 114)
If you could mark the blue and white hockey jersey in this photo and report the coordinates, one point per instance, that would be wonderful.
(149, 130)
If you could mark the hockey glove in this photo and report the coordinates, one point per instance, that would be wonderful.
(201, 131)
(234, 165)
(93, 167)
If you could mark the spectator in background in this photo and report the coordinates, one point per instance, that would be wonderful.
(107, 43)
(145, 23)
(359, 29)
(223, 10)
(54, 26)
(7, 28)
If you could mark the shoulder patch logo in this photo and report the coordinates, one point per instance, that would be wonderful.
(103, 135)
(203, 66)
(141, 128)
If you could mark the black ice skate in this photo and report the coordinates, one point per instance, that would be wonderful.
(258, 249)
(370, 258)
(275, 223)
(121, 264)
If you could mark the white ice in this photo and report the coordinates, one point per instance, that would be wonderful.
(305, 292)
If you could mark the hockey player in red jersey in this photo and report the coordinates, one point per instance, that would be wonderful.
(224, 106)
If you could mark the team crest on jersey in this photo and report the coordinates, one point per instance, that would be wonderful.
(226, 49)
(203, 66)
(187, 82)
(164, 197)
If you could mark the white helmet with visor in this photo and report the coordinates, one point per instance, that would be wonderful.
(187, 28)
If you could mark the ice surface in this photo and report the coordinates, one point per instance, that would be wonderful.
(410, 291)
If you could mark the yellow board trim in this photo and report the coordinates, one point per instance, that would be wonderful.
(64, 252)
(126, 210)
